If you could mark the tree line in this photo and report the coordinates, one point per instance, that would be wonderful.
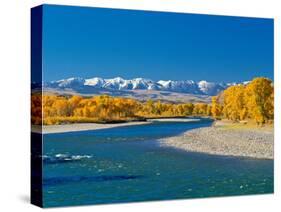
(254, 100)
(239, 102)
(104, 108)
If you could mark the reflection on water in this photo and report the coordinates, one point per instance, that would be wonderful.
(127, 164)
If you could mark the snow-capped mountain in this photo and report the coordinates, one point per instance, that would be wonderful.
(96, 82)
(182, 86)
(73, 82)
(211, 88)
(120, 84)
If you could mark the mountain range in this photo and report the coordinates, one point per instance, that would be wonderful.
(138, 88)
(119, 84)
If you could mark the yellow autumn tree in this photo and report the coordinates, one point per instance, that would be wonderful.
(259, 99)
(216, 108)
(200, 109)
(234, 107)
(269, 105)
(36, 109)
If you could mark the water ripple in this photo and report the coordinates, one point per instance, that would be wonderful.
(64, 158)
(72, 179)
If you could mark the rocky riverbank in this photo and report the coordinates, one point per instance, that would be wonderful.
(220, 140)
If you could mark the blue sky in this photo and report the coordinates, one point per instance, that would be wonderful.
(89, 42)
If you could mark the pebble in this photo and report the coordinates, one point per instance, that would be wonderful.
(229, 142)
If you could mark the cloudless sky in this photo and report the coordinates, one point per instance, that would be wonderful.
(89, 42)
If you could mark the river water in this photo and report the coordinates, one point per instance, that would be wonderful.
(127, 164)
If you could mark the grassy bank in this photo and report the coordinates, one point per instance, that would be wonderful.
(243, 125)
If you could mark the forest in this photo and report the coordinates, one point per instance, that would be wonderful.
(254, 101)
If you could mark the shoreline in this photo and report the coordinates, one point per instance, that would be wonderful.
(63, 128)
(173, 119)
(219, 139)
(77, 127)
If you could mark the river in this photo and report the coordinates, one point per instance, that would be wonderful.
(127, 164)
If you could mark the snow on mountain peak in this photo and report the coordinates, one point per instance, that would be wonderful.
(118, 83)
(70, 82)
(96, 81)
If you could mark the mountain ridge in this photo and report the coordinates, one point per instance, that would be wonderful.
(202, 87)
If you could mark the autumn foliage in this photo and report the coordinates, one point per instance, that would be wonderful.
(36, 109)
(77, 109)
(252, 101)
(240, 102)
